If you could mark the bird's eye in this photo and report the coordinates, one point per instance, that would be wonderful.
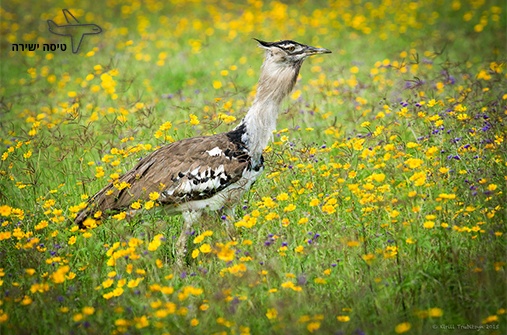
(291, 48)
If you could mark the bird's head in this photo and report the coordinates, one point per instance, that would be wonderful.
(289, 52)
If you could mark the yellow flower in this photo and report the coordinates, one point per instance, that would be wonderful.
(490, 319)
(291, 285)
(120, 216)
(368, 258)
(141, 322)
(88, 310)
(343, 318)
(353, 243)
(194, 120)
(303, 221)
(5, 210)
(419, 178)
(282, 196)
(30, 271)
(319, 280)
(443, 170)
(435, 312)
(165, 126)
(429, 224)
(3, 316)
(58, 276)
(195, 253)
(89, 223)
(378, 177)
(492, 187)
(394, 213)
(402, 328)
(328, 209)
(26, 300)
(136, 205)
(447, 196)
(205, 248)
(313, 326)
(72, 240)
(107, 283)
(217, 84)
(134, 282)
(226, 254)
(201, 237)
(156, 242)
(289, 208)
(99, 172)
(413, 162)
(5, 235)
(272, 314)
(154, 196)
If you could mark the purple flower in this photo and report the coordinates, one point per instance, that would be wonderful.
(301, 280)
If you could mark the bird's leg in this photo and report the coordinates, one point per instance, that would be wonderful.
(229, 222)
(189, 218)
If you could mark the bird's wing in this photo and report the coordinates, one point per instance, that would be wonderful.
(191, 169)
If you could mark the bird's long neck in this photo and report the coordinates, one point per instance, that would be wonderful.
(275, 83)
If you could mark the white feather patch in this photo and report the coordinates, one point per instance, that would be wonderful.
(216, 151)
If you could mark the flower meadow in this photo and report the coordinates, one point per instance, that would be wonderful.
(382, 209)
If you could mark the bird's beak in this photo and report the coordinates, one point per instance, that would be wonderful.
(314, 51)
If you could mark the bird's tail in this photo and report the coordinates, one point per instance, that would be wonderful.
(99, 202)
(82, 216)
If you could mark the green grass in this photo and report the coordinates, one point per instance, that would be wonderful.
(381, 210)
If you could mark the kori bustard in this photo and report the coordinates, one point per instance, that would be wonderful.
(209, 173)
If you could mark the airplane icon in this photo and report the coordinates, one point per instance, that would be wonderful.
(76, 31)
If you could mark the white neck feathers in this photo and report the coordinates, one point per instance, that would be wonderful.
(276, 82)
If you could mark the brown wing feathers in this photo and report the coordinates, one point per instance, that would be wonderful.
(187, 170)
